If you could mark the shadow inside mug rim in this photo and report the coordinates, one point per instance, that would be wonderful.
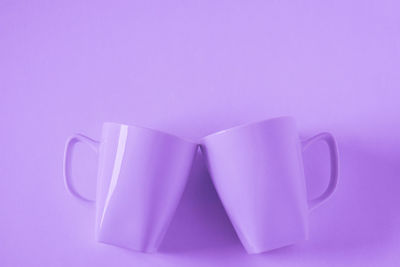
(246, 125)
(151, 130)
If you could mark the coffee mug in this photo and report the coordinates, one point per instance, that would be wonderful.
(141, 177)
(257, 170)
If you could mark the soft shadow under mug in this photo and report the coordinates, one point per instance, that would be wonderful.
(141, 177)
(257, 170)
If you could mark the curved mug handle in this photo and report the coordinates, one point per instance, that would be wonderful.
(67, 162)
(333, 152)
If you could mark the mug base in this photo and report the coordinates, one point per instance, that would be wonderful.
(148, 250)
(274, 246)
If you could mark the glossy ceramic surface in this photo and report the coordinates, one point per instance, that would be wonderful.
(192, 68)
(141, 177)
(257, 170)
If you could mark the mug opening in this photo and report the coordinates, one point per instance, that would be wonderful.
(246, 125)
(151, 130)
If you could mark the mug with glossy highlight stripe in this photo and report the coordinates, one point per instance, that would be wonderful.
(141, 177)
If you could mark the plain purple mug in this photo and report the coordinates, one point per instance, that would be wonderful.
(257, 170)
(141, 177)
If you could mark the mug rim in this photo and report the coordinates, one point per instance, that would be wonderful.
(151, 130)
(240, 126)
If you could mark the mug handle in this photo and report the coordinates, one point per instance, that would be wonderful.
(333, 152)
(67, 162)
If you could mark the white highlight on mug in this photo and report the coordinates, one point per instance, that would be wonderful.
(123, 134)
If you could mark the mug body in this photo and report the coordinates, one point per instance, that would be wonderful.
(142, 174)
(258, 173)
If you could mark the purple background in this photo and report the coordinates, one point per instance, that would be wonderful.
(192, 68)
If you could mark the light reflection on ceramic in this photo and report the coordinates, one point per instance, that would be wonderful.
(141, 177)
(257, 170)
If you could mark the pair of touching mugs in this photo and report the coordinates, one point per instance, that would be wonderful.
(257, 170)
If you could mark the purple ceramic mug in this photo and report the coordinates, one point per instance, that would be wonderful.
(257, 170)
(141, 176)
